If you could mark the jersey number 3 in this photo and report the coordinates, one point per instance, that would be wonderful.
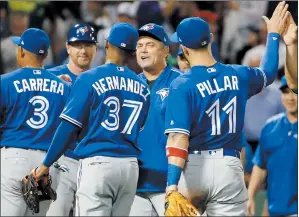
(39, 111)
(214, 113)
(113, 101)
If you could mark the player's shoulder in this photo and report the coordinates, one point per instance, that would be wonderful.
(135, 76)
(57, 70)
(11, 75)
(174, 71)
(182, 81)
(276, 119)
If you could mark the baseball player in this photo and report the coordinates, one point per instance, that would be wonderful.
(108, 107)
(81, 46)
(277, 158)
(205, 115)
(29, 113)
(151, 52)
(291, 40)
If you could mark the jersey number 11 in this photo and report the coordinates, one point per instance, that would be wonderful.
(214, 113)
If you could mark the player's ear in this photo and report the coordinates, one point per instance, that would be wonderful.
(212, 38)
(22, 52)
(166, 50)
(67, 47)
(185, 50)
(106, 44)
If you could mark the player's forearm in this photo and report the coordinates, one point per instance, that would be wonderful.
(65, 134)
(177, 152)
(291, 67)
(269, 63)
(257, 177)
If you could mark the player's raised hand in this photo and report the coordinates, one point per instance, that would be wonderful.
(279, 19)
(290, 36)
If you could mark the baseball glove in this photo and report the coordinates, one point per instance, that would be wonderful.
(31, 189)
(177, 205)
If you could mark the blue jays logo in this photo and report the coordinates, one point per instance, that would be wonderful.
(147, 27)
(163, 93)
(82, 30)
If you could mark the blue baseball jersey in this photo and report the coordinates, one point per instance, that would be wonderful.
(32, 100)
(208, 104)
(63, 70)
(151, 139)
(278, 154)
(110, 103)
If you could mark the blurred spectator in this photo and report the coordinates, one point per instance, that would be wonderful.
(148, 12)
(259, 108)
(253, 40)
(95, 14)
(18, 23)
(259, 50)
(212, 19)
(4, 29)
(239, 15)
(126, 12)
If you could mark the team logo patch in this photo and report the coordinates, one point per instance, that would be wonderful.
(163, 93)
(82, 30)
(147, 27)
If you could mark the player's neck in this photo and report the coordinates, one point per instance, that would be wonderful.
(201, 59)
(76, 69)
(292, 117)
(31, 64)
(153, 74)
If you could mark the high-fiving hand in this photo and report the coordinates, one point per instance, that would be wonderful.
(279, 20)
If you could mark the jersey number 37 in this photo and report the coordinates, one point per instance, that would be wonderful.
(113, 102)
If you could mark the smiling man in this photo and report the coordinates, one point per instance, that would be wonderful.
(81, 46)
(151, 52)
(277, 158)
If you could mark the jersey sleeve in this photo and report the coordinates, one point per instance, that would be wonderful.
(256, 77)
(78, 102)
(259, 158)
(178, 111)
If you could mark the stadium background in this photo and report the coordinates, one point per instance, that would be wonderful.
(238, 27)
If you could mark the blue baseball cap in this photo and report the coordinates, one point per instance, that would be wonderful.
(33, 40)
(193, 33)
(81, 32)
(284, 83)
(154, 31)
(124, 36)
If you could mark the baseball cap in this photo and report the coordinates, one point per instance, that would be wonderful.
(33, 40)
(284, 83)
(81, 32)
(192, 32)
(155, 31)
(124, 36)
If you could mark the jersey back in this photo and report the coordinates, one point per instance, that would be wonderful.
(211, 105)
(110, 103)
(31, 101)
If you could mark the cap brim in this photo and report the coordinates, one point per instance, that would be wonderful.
(149, 34)
(16, 40)
(174, 38)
